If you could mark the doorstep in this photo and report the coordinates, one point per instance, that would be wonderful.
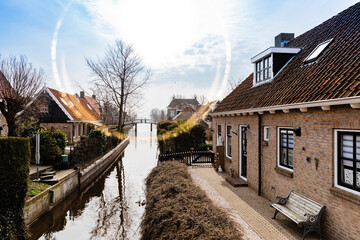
(236, 182)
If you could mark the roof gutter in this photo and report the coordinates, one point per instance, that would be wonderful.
(325, 104)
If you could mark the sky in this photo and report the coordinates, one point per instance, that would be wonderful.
(193, 47)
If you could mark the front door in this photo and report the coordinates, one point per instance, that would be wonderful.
(243, 151)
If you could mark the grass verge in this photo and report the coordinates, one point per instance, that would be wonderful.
(36, 188)
(177, 209)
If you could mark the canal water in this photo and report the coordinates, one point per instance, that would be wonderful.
(109, 208)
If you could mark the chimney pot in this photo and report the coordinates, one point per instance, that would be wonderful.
(283, 38)
(94, 96)
(82, 94)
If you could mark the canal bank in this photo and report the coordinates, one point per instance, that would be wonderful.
(68, 181)
(109, 207)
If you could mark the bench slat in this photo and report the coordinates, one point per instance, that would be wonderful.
(289, 213)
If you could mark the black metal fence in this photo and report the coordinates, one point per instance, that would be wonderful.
(190, 157)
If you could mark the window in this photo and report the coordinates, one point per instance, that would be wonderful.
(83, 127)
(266, 70)
(263, 70)
(63, 101)
(286, 148)
(258, 72)
(218, 136)
(317, 51)
(44, 108)
(74, 130)
(171, 113)
(228, 141)
(79, 129)
(348, 160)
(266, 133)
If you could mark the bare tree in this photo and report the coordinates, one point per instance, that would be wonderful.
(19, 84)
(122, 74)
(155, 114)
(234, 82)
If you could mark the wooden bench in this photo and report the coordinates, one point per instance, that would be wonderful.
(302, 210)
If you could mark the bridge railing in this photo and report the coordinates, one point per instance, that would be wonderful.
(190, 157)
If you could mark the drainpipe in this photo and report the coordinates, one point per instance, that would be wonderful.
(259, 126)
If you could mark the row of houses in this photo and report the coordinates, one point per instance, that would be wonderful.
(294, 123)
(74, 114)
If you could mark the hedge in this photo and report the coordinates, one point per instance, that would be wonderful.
(177, 209)
(180, 138)
(14, 177)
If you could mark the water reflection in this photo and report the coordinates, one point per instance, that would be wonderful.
(108, 209)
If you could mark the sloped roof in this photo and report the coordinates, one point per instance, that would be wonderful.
(204, 111)
(95, 104)
(78, 109)
(6, 89)
(175, 102)
(335, 74)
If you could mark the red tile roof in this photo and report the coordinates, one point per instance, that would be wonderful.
(94, 104)
(6, 90)
(78, 108)
(336, 74)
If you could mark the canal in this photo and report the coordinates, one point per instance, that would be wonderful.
(111, 207)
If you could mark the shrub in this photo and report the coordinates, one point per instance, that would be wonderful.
(180, 139)
(93, 146)
(52, 142)
(204, 146)
(163, 125)
(100, 135)
(14, 177)
(198, 135)
(177, 209)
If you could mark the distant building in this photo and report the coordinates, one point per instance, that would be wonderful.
(177, 105)
(75, 114)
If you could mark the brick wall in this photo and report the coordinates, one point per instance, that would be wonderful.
(342, 216)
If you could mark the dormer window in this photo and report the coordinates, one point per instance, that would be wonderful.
(317, 51)
(270, 62)
(263, 70)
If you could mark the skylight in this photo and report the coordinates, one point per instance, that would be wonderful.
(89, 106)
(317, 51)
(63, 101)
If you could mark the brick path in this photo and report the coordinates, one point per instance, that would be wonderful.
(255, 211)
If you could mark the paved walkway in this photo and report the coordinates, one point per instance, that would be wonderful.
(244, 206)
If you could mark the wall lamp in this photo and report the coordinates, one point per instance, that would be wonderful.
(235, 132)
(297, 131)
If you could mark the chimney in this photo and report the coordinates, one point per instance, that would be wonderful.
(93, 96)
(283, 38)
(82, 94)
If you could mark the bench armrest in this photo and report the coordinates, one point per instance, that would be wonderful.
(282, 200)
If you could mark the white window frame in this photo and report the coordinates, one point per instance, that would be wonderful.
(226, 135)
(240, 151)
(261, 80)
(278, 149)
(336, 131)
(266, 134)
(310, 59)
(218, 136)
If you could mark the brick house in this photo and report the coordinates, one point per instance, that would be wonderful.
(294, 124)
(73, 114)
(177, 105)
